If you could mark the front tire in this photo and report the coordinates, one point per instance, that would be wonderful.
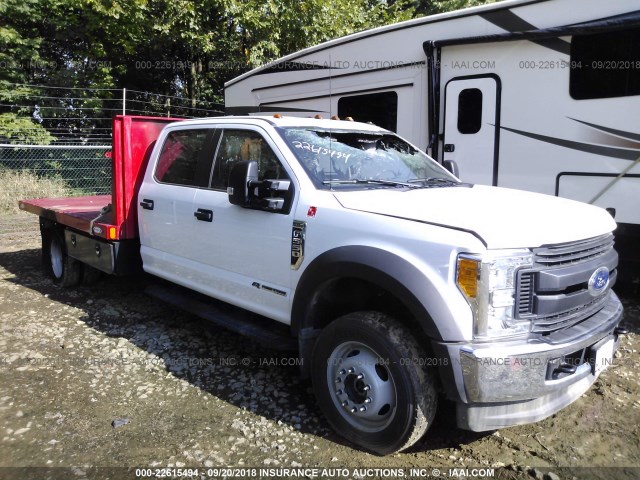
(369, 381)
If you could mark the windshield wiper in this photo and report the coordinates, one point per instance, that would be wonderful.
(436, 181)
(432, 179)
(364, 181)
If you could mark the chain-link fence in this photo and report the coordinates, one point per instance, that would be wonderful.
(54, 141)
(38, 171)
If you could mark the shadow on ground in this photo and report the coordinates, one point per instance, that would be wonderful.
(224, 364)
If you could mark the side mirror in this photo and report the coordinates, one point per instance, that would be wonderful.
(247, 191)
(452, 167)
(242, 178)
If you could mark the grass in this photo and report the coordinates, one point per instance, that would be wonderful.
(23, 184)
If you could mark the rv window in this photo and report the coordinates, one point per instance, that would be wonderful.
(381, 109)
(605, 65)
(470, 110)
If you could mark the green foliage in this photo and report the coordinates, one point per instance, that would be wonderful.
(173, 47)
(275, 28)
(431, 7)
(23, 130)
(440, 6)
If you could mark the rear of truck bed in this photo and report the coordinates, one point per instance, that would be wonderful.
(100, 232)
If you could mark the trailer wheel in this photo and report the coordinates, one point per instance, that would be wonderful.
(371, 384)
(63, 270)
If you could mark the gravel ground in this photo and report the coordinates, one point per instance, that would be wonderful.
(105, 376)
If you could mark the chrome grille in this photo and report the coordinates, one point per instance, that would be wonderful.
(575, 252)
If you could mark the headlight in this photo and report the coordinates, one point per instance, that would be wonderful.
(488, 282)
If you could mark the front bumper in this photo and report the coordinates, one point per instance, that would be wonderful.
(503, 384)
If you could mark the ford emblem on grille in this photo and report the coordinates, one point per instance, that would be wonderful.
(599, 281)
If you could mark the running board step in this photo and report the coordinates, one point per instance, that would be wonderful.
(267, 332)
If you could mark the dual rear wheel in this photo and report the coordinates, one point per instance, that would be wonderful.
(64, 270)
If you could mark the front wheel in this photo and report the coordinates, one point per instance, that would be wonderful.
(369, 381)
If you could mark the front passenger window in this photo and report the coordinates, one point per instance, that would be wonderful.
(237, 145)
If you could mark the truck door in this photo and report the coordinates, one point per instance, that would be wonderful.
(471, 126)
(244, 253)
(165, 201)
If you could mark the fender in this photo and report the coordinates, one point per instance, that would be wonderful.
(384, 269)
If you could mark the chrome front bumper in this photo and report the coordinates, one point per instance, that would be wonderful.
(503, 384)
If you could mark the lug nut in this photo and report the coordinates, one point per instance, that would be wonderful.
(366, 388)
(342, 372)
(363, 408)
(351, 370)
(354, 410)
(345, 403)
(360, 376)
(367, 400)
(338, 392)
(338, 380)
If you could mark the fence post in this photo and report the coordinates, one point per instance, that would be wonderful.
(124, 101)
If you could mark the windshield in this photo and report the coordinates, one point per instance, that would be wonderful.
(337, 158)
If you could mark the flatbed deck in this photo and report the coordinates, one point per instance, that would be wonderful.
(79, 213)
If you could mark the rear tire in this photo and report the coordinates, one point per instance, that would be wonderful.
(369, 381)
(62, 269)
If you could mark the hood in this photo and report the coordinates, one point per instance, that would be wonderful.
(502, 217)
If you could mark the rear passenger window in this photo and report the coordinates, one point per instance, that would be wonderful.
(179, 157)
(237, 145)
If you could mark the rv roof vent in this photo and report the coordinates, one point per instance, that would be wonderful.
(335, 117)
(318, 117)
(277, 115)
(349, 119)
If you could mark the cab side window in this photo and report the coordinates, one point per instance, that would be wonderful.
(237, 145)
(178, 161)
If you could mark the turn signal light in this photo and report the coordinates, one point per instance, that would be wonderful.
(467, 276)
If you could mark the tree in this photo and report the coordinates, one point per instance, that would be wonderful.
(184, 48)
(431, 7)
(275, 28)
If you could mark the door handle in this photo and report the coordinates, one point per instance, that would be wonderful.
(204, 215)
(147, 204)
(449, 147)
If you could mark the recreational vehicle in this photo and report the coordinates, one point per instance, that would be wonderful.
(539, 95)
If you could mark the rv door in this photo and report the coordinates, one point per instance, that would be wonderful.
(471, 125)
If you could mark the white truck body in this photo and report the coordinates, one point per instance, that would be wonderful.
(331, 248)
